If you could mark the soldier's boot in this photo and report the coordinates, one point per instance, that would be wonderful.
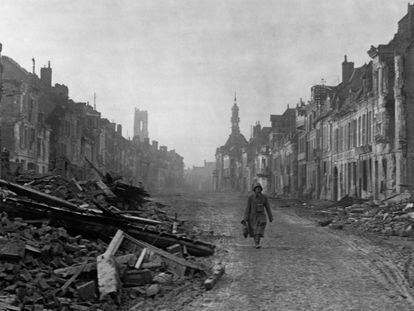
(257, 241)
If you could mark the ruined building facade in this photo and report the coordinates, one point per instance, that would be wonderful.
(43, 130)
(358, 136)
(23, 132)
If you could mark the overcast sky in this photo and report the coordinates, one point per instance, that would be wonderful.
(183, 60)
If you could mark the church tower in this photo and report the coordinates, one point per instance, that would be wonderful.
(141, 124)
(235, 130)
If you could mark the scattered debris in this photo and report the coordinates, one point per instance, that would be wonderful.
(391, 219)
(76, 245)
(99, 219)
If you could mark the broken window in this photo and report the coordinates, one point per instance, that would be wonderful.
(30, 109)
(364, 129)
(354, 133)
(32, 138)
(336, 140)
(384, 170)
(369, 124)
(21, 136)
(39, 147)
(364, 175)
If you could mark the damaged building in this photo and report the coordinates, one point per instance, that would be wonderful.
(352, 139)
(283, 143)
(23, 132)
(256, 159)
(358, 137)
(43, 130)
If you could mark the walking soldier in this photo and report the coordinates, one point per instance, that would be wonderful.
(255, 214)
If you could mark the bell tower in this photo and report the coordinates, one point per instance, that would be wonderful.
(235, 130)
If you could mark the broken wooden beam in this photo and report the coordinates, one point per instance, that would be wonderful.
(120, 260)
(93, 223)
(115, 243)
(78, 186)
(37, 195)
(108, 277)
(218, 271)
(94, 168)
(162, 253)
(108, 193)
(141, 258)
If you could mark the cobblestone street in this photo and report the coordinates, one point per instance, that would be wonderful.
(300, 266)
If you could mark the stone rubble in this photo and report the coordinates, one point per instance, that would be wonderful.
(43, 267)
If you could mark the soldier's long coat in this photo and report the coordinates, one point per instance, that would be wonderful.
(255, 214)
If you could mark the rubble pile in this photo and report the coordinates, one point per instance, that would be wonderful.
(30, 251)
(395, 219)
(122, 195)
(69, 245)
(44, 268)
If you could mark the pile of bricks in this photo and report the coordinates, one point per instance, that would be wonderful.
(30, 251)
(45, 268)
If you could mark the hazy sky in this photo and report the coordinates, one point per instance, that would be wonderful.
(183, 60)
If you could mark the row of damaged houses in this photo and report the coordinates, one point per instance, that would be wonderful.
(354, 138)
(43, 130)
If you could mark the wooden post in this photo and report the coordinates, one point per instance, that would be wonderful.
(141, 258)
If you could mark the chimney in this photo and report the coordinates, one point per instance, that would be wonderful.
(155, 144)
(347, 70)
(119, 129)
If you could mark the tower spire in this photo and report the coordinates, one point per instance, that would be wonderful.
(235, 117)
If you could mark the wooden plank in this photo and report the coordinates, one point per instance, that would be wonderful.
(115, 243)
(141, 258)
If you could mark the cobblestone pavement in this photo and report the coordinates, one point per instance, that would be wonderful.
(300, 266)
